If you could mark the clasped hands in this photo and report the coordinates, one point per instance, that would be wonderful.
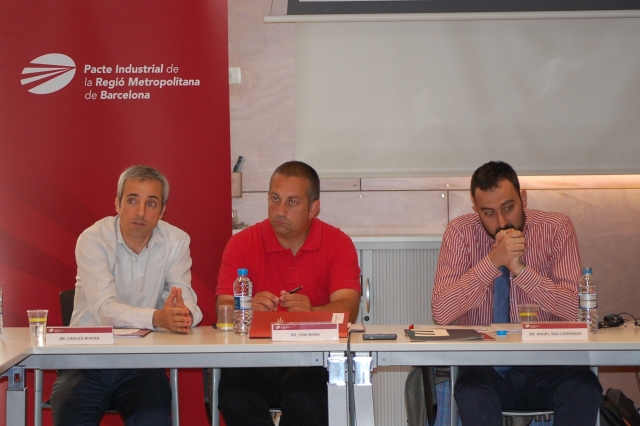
(266, 301)
(174, 315)
(507, 249)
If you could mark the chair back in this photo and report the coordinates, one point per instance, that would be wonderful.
(66, 305)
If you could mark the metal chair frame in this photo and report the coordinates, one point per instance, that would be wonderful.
(509, 415)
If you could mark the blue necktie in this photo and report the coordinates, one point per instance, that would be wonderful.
(501, 296)
(501, 305)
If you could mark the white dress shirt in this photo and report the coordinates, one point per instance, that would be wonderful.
(117, 287)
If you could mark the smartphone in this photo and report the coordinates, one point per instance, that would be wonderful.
(379, 336)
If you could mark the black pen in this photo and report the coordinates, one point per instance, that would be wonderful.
(295, 290)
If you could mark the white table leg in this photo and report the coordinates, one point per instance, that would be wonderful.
(175, 406)
(363, 390)
(16, 397)
(454, 406)
(337, 389)
(213, 402)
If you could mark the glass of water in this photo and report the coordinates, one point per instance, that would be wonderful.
(37, 325)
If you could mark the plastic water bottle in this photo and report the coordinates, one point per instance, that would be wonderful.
(242, 312)
(588, 293)
(0, 312)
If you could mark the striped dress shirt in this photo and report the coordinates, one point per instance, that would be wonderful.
(463, 289)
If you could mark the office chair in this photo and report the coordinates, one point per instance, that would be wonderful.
(513, 417)
(66, 308)
(524, 418)
(420, 396)
(421, 382)
(517, 417)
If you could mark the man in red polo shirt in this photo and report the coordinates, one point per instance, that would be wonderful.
(292, 248)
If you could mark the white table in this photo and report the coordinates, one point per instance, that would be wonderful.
(13, 348)
(609, 347)
(203, 347)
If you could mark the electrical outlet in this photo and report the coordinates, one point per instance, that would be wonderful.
(235, 75)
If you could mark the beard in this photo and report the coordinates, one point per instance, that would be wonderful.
(518, 226)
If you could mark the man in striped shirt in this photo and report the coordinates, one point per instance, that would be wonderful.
(540, 251)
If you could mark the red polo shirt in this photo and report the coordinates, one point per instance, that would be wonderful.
(325, 263)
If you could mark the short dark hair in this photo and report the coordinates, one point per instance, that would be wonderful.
(488, 176)
(143, 173)
(301, 170)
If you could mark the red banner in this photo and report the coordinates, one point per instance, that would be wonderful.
(87, 89)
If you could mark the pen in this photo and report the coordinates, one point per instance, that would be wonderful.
(295, 290)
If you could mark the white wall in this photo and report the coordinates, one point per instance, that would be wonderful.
(434, 98)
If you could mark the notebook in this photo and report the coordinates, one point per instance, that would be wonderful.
(261, 322)
(130, 332)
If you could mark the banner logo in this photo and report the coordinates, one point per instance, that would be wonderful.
(52, 72)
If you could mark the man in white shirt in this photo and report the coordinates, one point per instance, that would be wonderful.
(134, 270)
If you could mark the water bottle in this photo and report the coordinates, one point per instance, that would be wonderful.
(0, 312)
(242, 312)
(588, 294)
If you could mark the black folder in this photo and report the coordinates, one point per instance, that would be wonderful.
(454, 334)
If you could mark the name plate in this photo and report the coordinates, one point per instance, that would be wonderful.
(57, 336)
(555, 330)
(304, 331)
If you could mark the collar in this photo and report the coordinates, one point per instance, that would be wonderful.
(527, 219)
(156, 236)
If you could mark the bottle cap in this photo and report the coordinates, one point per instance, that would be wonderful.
(587, 270)
(501, 332)
(243, 272)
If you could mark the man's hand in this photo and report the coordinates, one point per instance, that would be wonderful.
(174, 315)
(265, 301)
(295, 302)
(180, 304)
(507, 250)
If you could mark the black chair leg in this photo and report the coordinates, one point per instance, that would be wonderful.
(206, 376)
(430, 398)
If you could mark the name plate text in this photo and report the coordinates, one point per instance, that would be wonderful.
(57, 336)
(304, 331)
(555, 330)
